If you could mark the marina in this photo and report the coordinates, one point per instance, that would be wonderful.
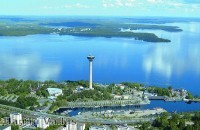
(168, 106)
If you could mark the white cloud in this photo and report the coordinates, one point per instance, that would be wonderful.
(27, 67)
(76, 5)
(108, 5)
(191, 1)
(148, 3)
(171, 60)
(119, 3)
(152, 1)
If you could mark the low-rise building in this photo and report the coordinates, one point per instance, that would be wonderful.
(42, 122)
(80, 126)
(97, 128)
(73, 126)
(79, 89)
(16, 118)
(61, 128)
(126, 97)
(122, 127)
(117, 97)
(182, 93)
(54, 92)
(70, 126)
(121, 86)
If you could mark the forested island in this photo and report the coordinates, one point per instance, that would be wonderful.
(76, 27)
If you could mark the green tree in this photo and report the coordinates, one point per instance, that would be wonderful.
(189, 96)
(52, 127)
(14, 127)
(87, 126)
(187, 116)
(145, 126)
(3, 91)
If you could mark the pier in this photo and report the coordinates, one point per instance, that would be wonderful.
(193, 100)
(92, 104)
(157, 97)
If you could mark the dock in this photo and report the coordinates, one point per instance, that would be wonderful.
(192, 100)
(157, 97)
(93, 104)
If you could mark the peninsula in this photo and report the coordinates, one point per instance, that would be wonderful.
(82, 28)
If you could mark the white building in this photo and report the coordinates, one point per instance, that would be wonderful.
(117, 97)
(80, 126)
(126, 97)
(42, 122)
(97, 128)
(121, 86)
(79, 88)
(61, 128)
(73, 126)
(70, 126)
(54, 92)
(122, 127)
(16, 118)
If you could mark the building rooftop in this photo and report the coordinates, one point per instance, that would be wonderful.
(15, 113)
(53, 91)
(97, 128)
(42, 117)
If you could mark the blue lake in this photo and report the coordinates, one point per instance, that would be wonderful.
(45, 57)
(174, 106)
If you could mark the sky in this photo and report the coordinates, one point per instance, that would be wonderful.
(168, 8)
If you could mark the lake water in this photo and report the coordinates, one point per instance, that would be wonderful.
(44, 57)
(174, 106)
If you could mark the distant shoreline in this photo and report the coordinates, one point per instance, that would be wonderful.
(16, 26)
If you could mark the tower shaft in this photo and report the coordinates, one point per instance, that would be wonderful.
(90, 58)
(90, 77)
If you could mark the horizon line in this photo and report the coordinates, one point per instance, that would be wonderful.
(59, 15)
